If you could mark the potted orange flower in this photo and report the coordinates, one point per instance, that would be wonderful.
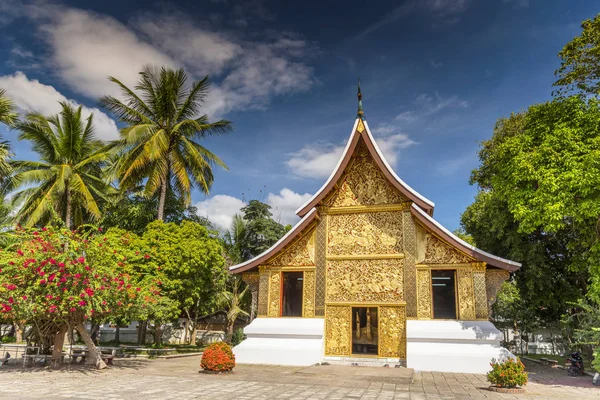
(217, 358)
(508, 376)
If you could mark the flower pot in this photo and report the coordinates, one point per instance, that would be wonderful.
(515, 390)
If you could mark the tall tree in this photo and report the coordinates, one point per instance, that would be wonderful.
(7, 117)
(160, 145)
(233, 240)
(579, 71)
(261, 231)
(67, 180)
(539, 182)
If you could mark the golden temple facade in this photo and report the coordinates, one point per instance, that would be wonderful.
(368, 253)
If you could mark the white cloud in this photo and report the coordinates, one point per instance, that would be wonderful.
(315, 161)
(319, 160)
(285, 204)
(426, 105)
(221, 208)
(87, 47)
(32, 95)
(200, 50)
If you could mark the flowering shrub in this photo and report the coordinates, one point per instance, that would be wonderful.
(508, 374)
(218, 357)
(69, 276)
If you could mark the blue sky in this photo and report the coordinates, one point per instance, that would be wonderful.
(435, 76)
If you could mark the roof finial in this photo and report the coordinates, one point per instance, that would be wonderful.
(360, 113)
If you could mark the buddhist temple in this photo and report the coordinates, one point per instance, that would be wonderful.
(368, 276)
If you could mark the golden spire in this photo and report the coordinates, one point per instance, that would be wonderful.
(360, 113)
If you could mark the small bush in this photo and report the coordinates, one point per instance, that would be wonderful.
(8, 339)
(237, 337)
(218, 357)
(508, 374)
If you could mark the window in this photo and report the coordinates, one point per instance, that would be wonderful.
(365, 331)
(444, 294)
(291, 302)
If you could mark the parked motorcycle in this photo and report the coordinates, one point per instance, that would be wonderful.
(575, 364)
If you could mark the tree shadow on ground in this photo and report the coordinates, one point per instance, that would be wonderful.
(545, 375)
(120, 364)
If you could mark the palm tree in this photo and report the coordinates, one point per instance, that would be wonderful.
(7, 117)
(231, 300)
(160, 145)
(7, 109)
(67, 179)
(233, 240)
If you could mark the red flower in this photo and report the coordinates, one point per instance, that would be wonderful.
(42, 282)
(146, 256)
(73, 309)
(81, 260)
(82, 303)
(61, 264)
(24, 297)
(11, 300)
(77, 276)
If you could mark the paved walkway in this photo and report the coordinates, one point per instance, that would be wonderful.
(179, 379)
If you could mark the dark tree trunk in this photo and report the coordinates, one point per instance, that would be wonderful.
(118, 334)
(142, 332)
(95, 335)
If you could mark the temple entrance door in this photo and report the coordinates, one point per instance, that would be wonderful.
(365, 332)
(291, 299)
(443, 288)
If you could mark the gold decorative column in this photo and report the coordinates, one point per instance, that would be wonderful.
(274, 293)
(409, 237)
(424, 310)
(392, 332)
(481, 307)
(338, 330)
(466, 296)
(252, 280)
(263, 291)
(308, 294)
(320, 250)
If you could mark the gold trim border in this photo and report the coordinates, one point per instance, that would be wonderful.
(367, 209)
(396, 256)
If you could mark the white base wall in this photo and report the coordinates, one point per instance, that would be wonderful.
(453, 346)
(282, 341)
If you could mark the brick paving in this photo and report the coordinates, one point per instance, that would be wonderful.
(179, 379)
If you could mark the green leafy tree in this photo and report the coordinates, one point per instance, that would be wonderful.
(57, 280)
(133, 212)
(67, 179)
(579, 71)
(160, 145)
(191, 259)
(538, 202)
(261, 231)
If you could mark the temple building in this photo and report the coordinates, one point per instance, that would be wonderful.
(369, 276)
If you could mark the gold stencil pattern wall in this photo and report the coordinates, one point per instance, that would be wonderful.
(410, 269)
(364, 183)
(263, 291)
(308, 294)
(466, 295)
(274, 293)
(424, 310)
(338, 331)
(365, 281)
(392, 332)
(320, 262)
(481, 307)
(365, 233)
